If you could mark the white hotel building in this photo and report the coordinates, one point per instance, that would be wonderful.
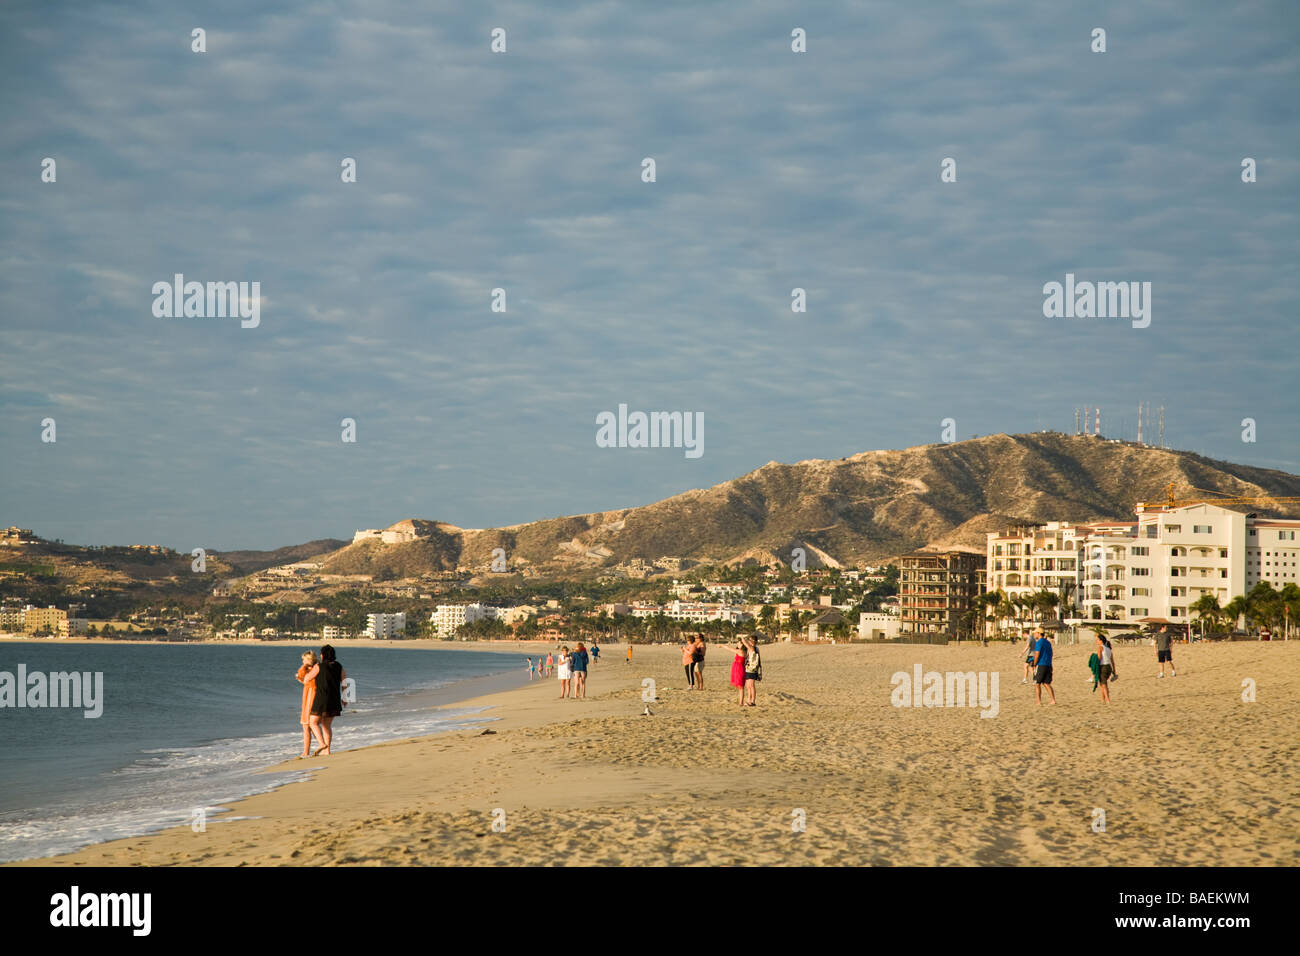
(1151, 569)
(450, 618)
(381, 627)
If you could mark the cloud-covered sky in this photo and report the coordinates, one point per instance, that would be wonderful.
(522, 170)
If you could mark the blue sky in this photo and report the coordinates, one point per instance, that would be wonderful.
(522, 170)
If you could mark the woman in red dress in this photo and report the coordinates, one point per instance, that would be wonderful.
(738, 672)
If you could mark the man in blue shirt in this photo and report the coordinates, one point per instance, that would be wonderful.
(1042, 666)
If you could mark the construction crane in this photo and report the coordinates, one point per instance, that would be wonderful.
(1223, 498)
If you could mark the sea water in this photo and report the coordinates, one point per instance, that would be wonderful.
(188, 727)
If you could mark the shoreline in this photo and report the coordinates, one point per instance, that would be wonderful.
(453, 698)
(704, 782)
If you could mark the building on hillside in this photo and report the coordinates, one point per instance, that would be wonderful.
(935, 588)
(333, 632)
(383, 627)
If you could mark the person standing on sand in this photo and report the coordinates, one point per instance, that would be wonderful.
(580, 659)
(1164, 652)
(753, 668)
(1106, 657)
(550, 664)
(532, 668)
(595, 653)
(308, 695)
(1043, 668)
(698, 657)
(738, 672)
(564, 670)
(327, 703)
(629, 652)
(688, 663)
(1028, 653)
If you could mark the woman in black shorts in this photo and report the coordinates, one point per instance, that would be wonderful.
(753, 667)
(1106, 655)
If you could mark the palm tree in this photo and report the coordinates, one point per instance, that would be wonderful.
(1005, 608)
(1207, 608)
(1236, 609)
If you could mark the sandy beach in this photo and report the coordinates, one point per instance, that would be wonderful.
(1186, 773)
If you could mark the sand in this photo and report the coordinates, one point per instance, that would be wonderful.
(1184, 770)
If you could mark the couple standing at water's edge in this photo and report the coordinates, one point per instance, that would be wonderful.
(322, 699)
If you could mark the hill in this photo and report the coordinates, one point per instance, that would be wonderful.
(867, 507)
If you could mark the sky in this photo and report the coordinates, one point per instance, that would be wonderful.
(523, 170)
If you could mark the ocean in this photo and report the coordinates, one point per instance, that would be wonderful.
(188, 726)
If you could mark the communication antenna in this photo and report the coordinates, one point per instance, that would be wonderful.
(1139, 423)
(1162, 426)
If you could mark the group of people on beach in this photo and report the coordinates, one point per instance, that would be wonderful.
(322, 699)
(746, 667)
(1038, 662)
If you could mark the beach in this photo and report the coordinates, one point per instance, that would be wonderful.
(1185, 772)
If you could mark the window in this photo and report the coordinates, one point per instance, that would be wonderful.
(1140, 549)
(1137, 612)
(1175, 572)
(1251, 532)
(1151, 531)
(1223, 552)
(1139, 592)
(1286, 536)
(1202, 529)
(1141, 572)
(1173, 529)
(1176, 592)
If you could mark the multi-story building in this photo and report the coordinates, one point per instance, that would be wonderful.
(333, 632)
(11, 620)
(934, 590)
(50, 619)
(447, 619)
(380, 627)
(1152, 569)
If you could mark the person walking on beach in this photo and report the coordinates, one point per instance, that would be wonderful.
(688, 663)
(1028, 653)
(629, 652)
(698, 658)
(738, 672)
(327, 703)
(595, 653)
(1164, 652)
(1107, 672)
(580, 659)
(564, 670)
(532, 668)
(308, 695)
(1043, 668)
(550, 664)
(753, 668)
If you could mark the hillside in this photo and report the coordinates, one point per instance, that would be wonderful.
(867, 507)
